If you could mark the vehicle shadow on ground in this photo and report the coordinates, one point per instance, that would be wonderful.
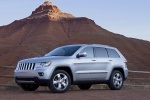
(74, 90)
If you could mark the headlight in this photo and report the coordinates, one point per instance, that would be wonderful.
(47, 63)
(44, 64)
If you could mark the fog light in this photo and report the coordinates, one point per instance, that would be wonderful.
(41, 73)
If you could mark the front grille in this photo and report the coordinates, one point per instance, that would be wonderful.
(26, 66)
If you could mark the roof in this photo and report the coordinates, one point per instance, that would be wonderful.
(106, 46)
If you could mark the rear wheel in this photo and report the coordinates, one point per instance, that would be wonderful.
(60, 81)
(84, 86)
(116, 80)
(29, 87)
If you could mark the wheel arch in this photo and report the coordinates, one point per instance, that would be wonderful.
(67, 69)
(119, 69)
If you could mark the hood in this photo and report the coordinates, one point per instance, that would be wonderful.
(42, 59)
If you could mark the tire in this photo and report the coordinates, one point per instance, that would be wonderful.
(116, 80)
(29, 87)
(84, 86)
(60, 82)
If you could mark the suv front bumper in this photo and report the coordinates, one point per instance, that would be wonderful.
(34, 80)
(40, 76)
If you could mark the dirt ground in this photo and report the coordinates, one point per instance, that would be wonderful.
(92, 94)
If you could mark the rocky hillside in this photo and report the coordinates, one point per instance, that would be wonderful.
(48, 27)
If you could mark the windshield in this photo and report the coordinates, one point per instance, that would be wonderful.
(64, 51)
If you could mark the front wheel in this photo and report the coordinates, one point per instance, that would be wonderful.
(84, 86)
(60, 81)
(29, 87)
(116, 80)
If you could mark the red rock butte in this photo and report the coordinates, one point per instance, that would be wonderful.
(47, 9)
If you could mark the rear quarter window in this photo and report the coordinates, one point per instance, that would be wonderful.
(113, 53)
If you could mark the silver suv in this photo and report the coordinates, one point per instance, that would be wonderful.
(82, 65)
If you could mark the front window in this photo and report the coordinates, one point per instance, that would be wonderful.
(88, 51)
(64, 51)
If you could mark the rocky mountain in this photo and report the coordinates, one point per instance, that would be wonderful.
(48, 27)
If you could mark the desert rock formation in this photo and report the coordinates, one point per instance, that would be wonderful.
(48, 27)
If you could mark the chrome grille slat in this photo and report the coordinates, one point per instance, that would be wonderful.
(26, 66)
(23, 66)
(33, 66)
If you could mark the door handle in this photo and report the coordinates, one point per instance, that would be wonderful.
(93, 60)
(110, 60)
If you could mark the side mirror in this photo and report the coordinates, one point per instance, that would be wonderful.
(81, 55)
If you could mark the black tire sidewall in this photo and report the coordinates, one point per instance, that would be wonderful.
(51, 86)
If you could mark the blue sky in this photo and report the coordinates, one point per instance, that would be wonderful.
(128, 17)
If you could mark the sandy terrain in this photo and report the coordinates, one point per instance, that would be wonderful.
(101, 94)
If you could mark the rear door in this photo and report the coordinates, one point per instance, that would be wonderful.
(102, 61)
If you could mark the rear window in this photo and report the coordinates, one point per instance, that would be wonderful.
(100, 52)
(112, 53)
